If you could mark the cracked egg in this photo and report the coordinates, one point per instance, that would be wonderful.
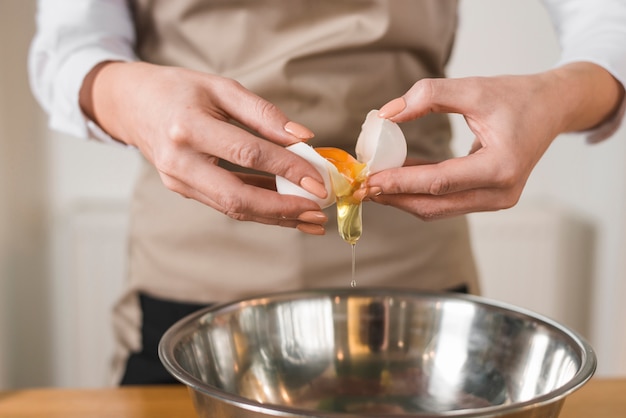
(381, 145)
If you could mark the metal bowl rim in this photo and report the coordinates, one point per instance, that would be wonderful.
(166, 352)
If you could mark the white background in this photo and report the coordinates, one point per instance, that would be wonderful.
(43, 175)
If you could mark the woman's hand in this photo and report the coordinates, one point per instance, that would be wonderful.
(181, 121)
(514, 120)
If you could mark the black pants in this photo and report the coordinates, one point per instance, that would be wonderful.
(144, 367)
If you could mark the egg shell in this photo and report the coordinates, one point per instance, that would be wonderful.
(323, 166)
(381, 144)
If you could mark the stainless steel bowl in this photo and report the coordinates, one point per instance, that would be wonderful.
(374, 352)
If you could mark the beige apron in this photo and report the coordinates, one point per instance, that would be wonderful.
(325, 63)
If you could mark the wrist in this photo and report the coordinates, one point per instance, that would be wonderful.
(86, 98)
(586, 94)
(98, 97)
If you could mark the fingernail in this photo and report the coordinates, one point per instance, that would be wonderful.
(313, 217)
(313, 186)
(299, 131)
(312, 229)
(392, 108)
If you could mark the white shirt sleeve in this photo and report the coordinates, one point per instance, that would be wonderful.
(593, 31)
(72, 37)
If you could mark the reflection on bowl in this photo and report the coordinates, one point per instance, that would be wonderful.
(366, 352)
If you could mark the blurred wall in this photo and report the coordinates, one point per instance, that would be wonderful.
(24, 305)
(44, 175)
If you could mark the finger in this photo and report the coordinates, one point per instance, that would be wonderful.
(224, 140)
(224, 191)
(269, 183)
(311, 229)
(308, 222)
(432, 96)
(262, 116)
(428, 207)
(474, 171)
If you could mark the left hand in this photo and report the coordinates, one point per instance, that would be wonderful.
(514, 120)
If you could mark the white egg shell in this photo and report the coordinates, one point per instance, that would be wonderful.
(323, 166)
(381, 144)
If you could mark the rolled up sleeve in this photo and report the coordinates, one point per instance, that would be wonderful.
(72, 37)
(593, 31)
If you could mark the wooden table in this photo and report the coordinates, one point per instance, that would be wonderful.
(600, 398)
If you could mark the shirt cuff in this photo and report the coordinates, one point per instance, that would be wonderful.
(70, 118)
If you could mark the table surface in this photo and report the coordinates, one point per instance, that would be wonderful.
(599, 398)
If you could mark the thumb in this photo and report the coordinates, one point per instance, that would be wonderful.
(431, 95)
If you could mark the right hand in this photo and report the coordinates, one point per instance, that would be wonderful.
(180, 120)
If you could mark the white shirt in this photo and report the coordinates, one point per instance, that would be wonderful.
(74, 36)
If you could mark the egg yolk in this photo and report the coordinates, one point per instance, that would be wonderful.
(346, 164)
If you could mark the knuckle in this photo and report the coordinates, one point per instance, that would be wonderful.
(178, 131)
(178, 134)
(230, 83)
(508, 200)
(510, 193)
(169, 183)
(391, 184)
(224, 86)
(426, 87)
(166, 163)
(249, 156)
(428, 215)
(233, 207)
(439, 186)
(238, 216)
(266, 110)
(175, 186)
